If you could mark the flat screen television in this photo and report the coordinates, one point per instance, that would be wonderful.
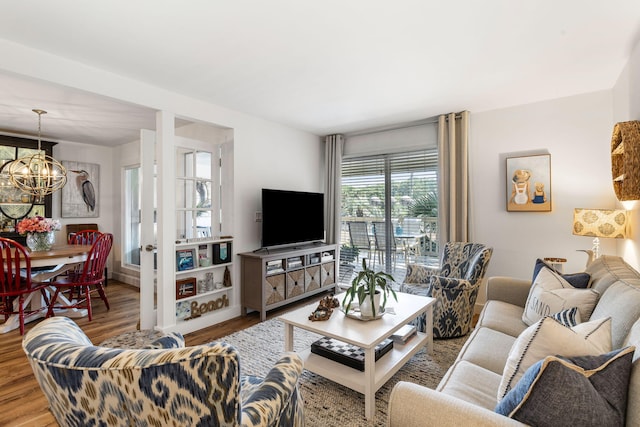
(291, 217)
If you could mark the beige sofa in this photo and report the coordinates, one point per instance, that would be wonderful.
(467, 395)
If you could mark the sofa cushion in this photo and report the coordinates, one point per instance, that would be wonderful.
(621, 302)
(503, 317)
(608, 269)
(577, 280)
(576, 391)
(633, 402)
(548, 337)
(550, 293)
(461, 374)
(487, 348)
(569, 317)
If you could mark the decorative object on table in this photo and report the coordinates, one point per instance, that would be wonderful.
(529, 183)
(598, 223)
(185, 259)
(347, 354)
(625, 160)
(80, 197)
(325, 308)
(38, 174)
(185, 287)
(370, 288)
(39, 231)
(404, 334)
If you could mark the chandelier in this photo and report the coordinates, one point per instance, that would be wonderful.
(38, 174)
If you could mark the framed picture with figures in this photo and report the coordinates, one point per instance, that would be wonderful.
(80, 195)
(529, 183)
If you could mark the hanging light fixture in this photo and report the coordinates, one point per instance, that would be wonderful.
(38, 174)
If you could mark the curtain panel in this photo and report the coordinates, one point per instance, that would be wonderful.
(334, 145)
(453, 211)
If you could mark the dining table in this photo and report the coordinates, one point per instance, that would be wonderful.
(46, 265)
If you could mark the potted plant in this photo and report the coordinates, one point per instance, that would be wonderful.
(370, 287)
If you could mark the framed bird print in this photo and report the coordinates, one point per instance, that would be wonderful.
(80, 195)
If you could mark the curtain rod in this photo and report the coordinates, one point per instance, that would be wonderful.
(429, 121)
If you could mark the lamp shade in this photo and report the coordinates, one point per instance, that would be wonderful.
(600, 223)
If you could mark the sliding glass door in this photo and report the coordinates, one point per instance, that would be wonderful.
(394, 198)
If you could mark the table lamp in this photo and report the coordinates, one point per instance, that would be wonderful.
(600, 223)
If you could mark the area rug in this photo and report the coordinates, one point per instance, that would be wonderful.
(327, 403)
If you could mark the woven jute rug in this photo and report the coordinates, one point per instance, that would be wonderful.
(327, 403)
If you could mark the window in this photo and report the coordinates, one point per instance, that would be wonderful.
(396, 196)
(132, 216)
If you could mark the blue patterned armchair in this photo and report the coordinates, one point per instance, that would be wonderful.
(454, 286)
(184, 386)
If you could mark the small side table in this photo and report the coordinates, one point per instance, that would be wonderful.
(557, 263)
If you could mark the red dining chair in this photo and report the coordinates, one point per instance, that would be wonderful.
(83, 237)
(91, 274)
(87, 237)
(15, 282)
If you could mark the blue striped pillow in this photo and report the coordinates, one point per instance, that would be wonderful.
(569, 317)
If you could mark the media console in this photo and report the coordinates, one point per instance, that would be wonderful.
(274, 278)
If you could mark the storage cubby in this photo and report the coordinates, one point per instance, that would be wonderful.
(273, 278)
(197, 268)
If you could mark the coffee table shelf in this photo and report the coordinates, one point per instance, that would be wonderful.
(365, 335)
(354, 379)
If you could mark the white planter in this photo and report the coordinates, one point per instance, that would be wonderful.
(366, 308)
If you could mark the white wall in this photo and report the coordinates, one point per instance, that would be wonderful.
(108, 192)
(626, 106)
(266, 154)
(576, 131)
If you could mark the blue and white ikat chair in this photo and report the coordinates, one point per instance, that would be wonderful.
(175, 386)
(454, 286)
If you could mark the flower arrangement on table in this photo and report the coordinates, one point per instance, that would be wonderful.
(39, 231)
(38, 224)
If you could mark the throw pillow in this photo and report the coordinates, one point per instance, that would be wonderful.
(577, 280)
(550, 294)
(579, 391)
(569, 317)
(548, 337)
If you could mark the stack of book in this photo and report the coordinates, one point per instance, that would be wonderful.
(404, 334)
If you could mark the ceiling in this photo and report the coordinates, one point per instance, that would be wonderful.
(320, 66)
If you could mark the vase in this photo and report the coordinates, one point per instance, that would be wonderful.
(366, 308)
(41, 241)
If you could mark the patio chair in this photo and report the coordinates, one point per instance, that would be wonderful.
(380, 238)
(359, 237)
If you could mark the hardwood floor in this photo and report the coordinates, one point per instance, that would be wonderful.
(22, 403)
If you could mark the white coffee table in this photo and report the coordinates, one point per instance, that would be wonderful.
(365, 334)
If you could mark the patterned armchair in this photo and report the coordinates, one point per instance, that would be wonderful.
(186, 386)
(454, 286)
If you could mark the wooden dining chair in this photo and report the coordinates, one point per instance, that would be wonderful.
(15, 282)
(91, 275)
(87, 237)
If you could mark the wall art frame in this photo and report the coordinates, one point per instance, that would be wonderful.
(81, 194)
(528, 183)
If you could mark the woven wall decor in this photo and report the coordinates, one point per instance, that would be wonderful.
(625, 160)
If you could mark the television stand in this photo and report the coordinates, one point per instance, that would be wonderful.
(280, 277)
